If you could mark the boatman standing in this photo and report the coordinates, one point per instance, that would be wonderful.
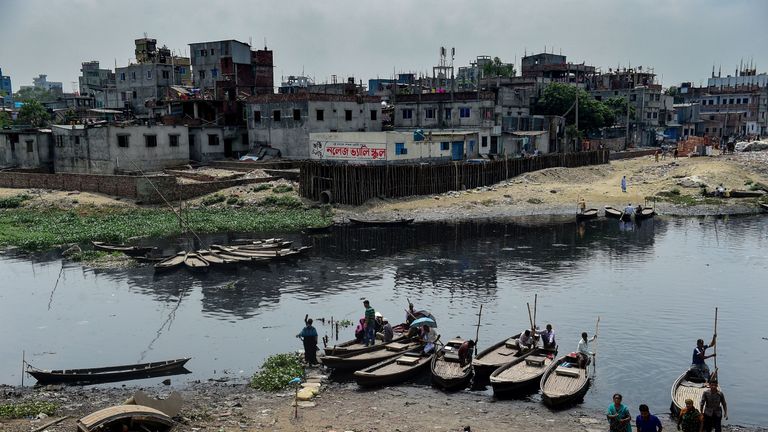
(583, 350)
(370, 324)
(699, 355)
(308, 336)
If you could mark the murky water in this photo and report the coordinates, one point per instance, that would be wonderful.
(654, 287)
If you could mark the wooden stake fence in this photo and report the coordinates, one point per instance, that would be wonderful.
(356, 184)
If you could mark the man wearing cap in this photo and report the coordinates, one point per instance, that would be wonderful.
(387, 331)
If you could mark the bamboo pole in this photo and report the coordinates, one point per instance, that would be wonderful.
(23, 366)
(535, 301)
(715, 341)
(530, 317)
(597, 329)
(477, 332)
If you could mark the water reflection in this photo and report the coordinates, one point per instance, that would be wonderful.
(654, 282)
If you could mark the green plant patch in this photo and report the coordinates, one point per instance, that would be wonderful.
(277, 371)
(26, 409)
(282, 189)
(213, 199)
(13, 202)
(284, 201)
(43, 228)
(262, 187)
(534, 201)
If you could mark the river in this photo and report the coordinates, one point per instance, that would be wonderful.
(655, 288)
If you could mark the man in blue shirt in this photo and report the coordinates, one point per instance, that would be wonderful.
(699, 355)
(308, 335)
(647, 422)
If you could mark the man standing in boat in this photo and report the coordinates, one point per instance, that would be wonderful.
(699, 355)
(583, 350)
(370, 324)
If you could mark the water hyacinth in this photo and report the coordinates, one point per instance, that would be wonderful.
(26, 409)
(277, 372)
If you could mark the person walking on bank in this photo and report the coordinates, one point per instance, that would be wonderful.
(618, 415)
(690, 418)
(308, 336)
(624, 184)
(647, 422)
(713, 407)
(370, 324)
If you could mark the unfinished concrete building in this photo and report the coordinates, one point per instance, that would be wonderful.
(229, 69)
(27, 148)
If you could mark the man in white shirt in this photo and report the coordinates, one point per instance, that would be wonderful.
(583, 350)
(525, 341)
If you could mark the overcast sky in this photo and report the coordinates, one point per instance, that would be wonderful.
(680, 39)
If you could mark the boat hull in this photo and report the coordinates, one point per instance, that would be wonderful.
(110, 374)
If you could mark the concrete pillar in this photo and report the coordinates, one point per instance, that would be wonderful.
(194, 106)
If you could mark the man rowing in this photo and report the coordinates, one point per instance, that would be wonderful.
(698, 365)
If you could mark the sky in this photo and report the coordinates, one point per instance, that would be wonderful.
(680, 39)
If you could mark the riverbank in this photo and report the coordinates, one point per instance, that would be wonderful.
(672, 186)
(226, 407)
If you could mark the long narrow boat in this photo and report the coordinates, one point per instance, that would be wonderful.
(684, 388)
(217, 260)
(170, 263)
(380, 223)
(523, 373)
(356, 361)
(587, 214)
(764, 206)
(611, 212)
(447, 371)
(317, 229)
(494, 357)
(265, 246)
(354, 346)
(645, 213)
(394, 370)
(564, 382)
(108, 374)
(195, 262)
(128, 250)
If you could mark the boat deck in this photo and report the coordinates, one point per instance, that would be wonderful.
(522, 371)
(689, 390)
(394, 366)
(561, 385)
(499, 356)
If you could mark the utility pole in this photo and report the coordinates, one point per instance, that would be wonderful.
(626, 132)
(577, 119)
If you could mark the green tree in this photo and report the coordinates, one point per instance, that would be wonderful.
(559, 98)
(497, 68)
(5, 119)
(34, 93)
(619, 107)
(33, 113)
(671, 91)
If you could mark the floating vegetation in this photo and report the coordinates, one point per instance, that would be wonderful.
(26, 409)
(277, 371)
(43, 228)
(284, 201)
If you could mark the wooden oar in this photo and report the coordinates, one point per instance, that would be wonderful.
(477, 333)
(530, 317)
(715, 347)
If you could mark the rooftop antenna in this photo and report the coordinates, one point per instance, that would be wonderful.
(265, 44)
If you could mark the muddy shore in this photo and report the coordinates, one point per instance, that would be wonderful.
(213, 406)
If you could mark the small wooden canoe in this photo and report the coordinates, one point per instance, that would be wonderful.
(138, 416)
(564, 382)
(380, 223)
(523, 373)
(684, 388)
(128, 250)
(395, 370)
(764, 206)
(356, 361)
(495, 356)
(447, 371)
(611, 212)
(217, 260)
(645, 213)
(171, 263)
(195, 262)
(317, 230)
(265, 246)
(353, 346)
(587, 214)
(745, 194)
(108, 374)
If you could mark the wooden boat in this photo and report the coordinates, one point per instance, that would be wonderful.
(394, 370)
(353, 346)
(522, 373)
(611, 212)
(265, 246)
(317, 230)
(587, 214)
(108, 374)
(645, 213)
(244, 241)
(217, 260)
(564, 382)
(244, 259)
(138, 416)
(150, 258)
(495, 356)
(686, 387)
(745, 194)
(764, 206)
(447, 371)
(380, 223)
(171, 263)
(355, 361)
(251, 256)
(194, 262)
(128, 250)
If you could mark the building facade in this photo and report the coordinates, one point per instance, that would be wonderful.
(109, 149)
(100, 84)
(26, 148)
(229, 69)
(6, 90)
(284, 121)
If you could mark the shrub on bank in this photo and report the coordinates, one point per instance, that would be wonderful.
(13, 202)
(26, 409)
(284, 201)
(277, 371)
(282, 189)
